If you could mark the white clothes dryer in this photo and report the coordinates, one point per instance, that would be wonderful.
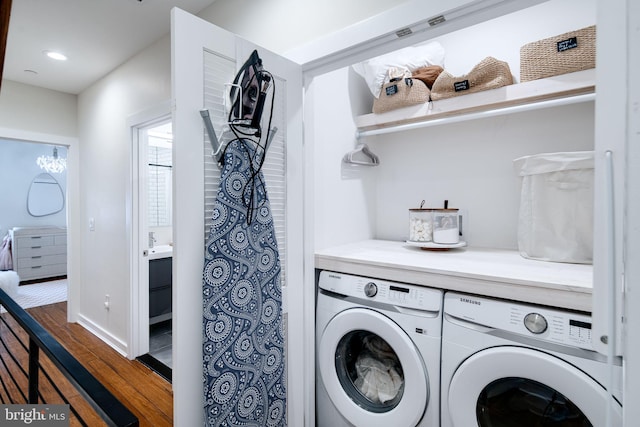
(378, 353)
(513, 364)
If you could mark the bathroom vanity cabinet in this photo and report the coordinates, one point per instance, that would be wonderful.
(160, 283)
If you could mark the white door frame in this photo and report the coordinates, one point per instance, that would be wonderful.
(137, 224)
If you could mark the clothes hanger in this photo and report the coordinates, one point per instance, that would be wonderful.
(372, 159)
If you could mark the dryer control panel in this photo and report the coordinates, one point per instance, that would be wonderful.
(382, 291)
(547, 324)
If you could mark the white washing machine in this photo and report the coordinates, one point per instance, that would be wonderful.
(378, 353)
(513, 364)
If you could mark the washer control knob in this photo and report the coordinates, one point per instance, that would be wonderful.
(535, 323)
(370, 289)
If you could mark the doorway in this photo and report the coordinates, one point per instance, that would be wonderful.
(152, 240)
(160, 235)
(35, 207)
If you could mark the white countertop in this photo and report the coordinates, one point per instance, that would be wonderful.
(160, 251)
(481, 271)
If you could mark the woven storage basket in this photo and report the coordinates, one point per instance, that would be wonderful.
(565, 53)
(490, 73)
(401, 93)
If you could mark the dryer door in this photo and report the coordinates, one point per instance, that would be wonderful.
(372, 371)
(519, 386)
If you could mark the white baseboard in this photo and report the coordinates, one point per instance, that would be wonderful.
(113, 342)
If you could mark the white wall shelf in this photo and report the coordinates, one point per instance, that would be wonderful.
(535, 94)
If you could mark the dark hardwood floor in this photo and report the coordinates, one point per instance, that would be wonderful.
(145, 393)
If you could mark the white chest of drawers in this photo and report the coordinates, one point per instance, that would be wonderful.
(39, 252)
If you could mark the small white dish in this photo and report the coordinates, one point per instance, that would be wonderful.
(437, 246)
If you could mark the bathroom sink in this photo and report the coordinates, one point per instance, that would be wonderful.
(160, 251)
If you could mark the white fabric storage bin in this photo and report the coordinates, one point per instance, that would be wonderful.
(556, 206)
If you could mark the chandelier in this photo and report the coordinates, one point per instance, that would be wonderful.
(52, 164)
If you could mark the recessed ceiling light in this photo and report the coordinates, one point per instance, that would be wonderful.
(55, 55)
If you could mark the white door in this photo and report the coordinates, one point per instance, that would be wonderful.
(520, 386)
(372, 370)
(193, 41)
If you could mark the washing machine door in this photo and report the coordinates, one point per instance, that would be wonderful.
(515, 386)
(372, 371)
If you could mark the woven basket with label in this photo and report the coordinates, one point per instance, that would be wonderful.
(565, 53)
(490, 73)
(401, 91)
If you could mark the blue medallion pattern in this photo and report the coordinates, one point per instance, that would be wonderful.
(243, 343)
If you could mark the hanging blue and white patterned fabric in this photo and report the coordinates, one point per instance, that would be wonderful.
(243, 345)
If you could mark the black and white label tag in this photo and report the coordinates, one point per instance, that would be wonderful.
(459, 86)
(567, 44)
(391, 90)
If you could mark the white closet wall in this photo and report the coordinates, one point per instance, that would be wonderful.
(468, 163)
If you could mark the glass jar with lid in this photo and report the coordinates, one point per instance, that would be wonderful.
(421, 225)
(446, 228)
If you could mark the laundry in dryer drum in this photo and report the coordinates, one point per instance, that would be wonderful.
(379, 371)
